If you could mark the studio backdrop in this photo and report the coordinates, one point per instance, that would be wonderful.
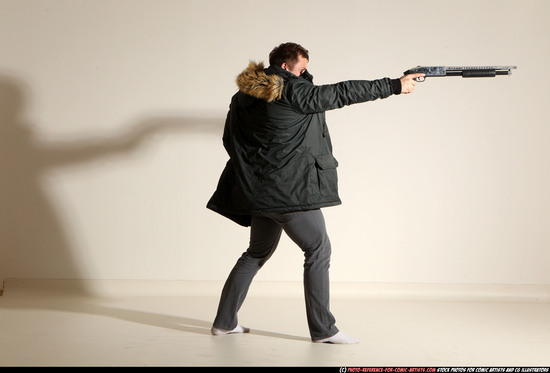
(112, 112)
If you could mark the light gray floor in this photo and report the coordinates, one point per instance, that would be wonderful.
(44, 327)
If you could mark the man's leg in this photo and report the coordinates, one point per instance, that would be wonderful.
(264, 237)
(307, 229)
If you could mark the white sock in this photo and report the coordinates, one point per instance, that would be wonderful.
(339, 338)
(238, 329)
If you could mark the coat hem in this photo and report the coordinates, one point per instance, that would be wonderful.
(243, 217)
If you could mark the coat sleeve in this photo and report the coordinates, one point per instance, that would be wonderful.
(307, 98)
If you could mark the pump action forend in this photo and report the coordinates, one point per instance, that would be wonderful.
(463, 71)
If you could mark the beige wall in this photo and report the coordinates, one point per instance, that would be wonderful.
(112, 113)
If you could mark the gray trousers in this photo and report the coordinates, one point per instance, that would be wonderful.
(307, 229)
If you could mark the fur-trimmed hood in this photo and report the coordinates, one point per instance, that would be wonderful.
(255, 82)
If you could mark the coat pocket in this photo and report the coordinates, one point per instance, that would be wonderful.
(327, 176)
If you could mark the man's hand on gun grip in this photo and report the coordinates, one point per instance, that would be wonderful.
(408, 82)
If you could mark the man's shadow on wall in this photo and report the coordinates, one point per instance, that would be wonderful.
(31, 232)
(30, 228)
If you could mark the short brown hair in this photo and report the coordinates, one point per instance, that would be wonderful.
(287, 52)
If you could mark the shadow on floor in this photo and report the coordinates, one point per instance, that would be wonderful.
(89, 305)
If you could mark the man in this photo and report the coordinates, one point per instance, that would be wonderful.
(281, 172)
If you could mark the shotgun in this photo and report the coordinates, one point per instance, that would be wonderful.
(463, 71)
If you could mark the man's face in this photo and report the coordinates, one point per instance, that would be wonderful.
(299, 67)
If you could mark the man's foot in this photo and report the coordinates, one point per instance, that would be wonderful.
(339, 338)
(238, 329)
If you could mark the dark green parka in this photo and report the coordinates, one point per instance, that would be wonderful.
(280, 153)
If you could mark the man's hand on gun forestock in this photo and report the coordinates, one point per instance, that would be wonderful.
(408, 82)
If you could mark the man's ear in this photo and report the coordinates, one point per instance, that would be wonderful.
(285, 66)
